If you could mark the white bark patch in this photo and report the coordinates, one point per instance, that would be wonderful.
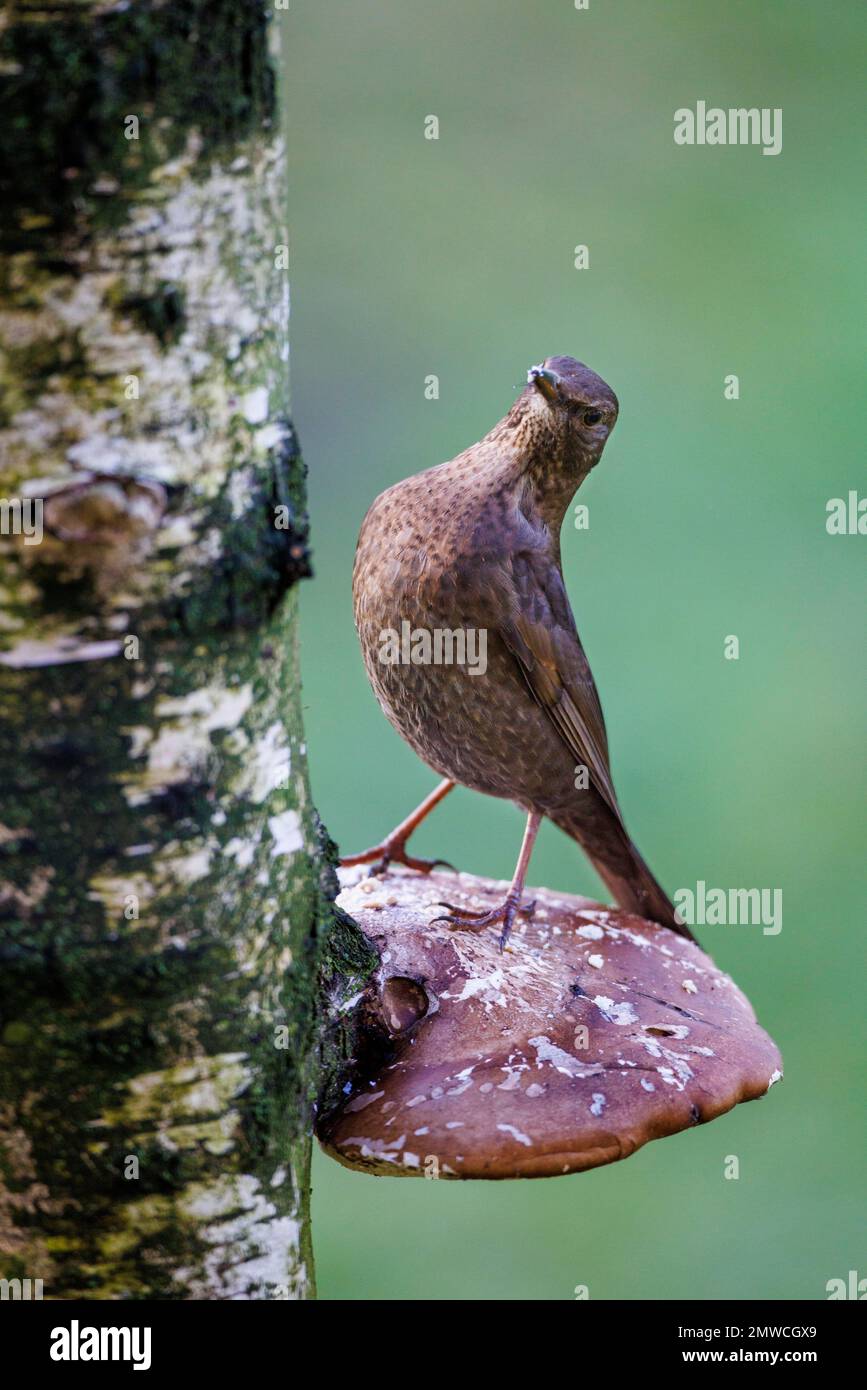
(191, 1089)
(287, 833)
(254, 1252)
(178, 862)
(179, 531)
(208, 396)
(114, 892)
(242, 851)
(65, 647)
(182, 744)
(188, 868)
(267, 765)
(216, 1137)
(255, 406)
(214, 707)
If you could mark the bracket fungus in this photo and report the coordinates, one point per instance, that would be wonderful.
(594, 1032)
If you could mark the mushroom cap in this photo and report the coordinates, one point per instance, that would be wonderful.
(594, 1032)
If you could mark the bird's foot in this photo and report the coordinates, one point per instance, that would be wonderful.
(462, 919)
(392, 851)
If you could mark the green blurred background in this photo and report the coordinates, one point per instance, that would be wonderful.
(707, 518)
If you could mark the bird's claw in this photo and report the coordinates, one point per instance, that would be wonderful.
(464, 919)
(392, 852)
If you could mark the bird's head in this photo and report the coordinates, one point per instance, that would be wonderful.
(575, 403)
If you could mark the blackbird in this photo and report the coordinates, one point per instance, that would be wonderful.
(466, 557)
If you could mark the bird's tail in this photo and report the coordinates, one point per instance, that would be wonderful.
(638, 891)
(628, 879)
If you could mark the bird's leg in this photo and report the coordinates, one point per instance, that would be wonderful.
(393, 848)
(462, 920)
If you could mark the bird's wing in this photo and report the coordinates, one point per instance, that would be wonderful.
(541, 634)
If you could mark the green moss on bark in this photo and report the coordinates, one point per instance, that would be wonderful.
(72, 74)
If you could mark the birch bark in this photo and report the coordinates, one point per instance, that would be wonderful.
(159, 856)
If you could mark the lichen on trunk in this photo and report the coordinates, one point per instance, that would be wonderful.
(162, 891)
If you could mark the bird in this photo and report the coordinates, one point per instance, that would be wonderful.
(465, 558)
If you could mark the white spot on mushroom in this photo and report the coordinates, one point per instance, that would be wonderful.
(489, 987)
(512, 1081)
(690, 986)
(593, 933)
(598, 1103)
(678, 1073)
(596, 961)
(362, 1102)
(464, 1080)
(459, 1089)
(634, 937)
(561, 1060)
(516, 1134)
(621, 1014)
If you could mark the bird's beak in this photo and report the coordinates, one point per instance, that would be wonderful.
(546, 380)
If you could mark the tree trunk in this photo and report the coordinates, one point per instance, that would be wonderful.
(159, 853)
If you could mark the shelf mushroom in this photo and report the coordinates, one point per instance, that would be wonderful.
(594, 1032)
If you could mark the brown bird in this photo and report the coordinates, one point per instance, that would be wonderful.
(470, 643)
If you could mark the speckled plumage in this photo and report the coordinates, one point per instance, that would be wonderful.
(474, 544)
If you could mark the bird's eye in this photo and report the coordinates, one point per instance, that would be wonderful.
(592, 417)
